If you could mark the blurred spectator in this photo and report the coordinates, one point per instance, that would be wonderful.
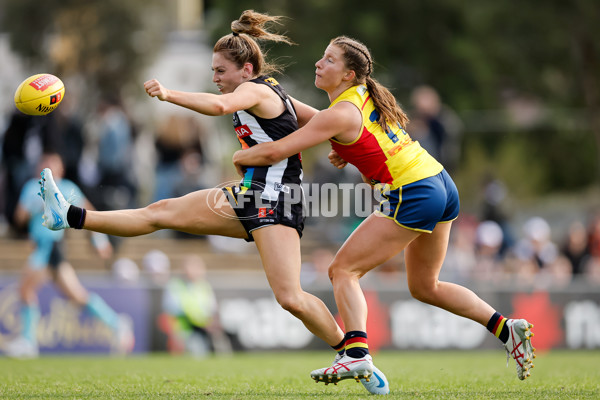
(114, 155)
(47, 260)
(391, 272)
(190, 316)
(189, 179)
(178, 138)
(157, 267)
(435, 126)
(488, 239)
(495, 195)
(26, 138)
(107, 160)
(315, 271)
(592, 271)
(556, 275)
(125, 270)
(18, 137)
(460, 262)
(63, 134)
(594, 236)
(575, 247)
(537, 246)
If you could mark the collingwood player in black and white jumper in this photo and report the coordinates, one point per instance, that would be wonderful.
(268, 194)
(253, 209)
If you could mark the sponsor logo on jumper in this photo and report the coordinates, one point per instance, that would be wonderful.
(263, 212)
(243, 131)
(43, 82)
(407, 141)
(280, 187)
(272, 81)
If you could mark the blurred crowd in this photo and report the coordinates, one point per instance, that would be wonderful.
(487, 252)
(107, 156)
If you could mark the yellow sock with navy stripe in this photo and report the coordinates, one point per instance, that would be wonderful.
(356, 344)
(497, 325)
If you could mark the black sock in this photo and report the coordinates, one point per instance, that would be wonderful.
(76, 217)
(497, 325)
(340, 347)
(356, 344)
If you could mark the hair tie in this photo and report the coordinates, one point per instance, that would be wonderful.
(235, 34)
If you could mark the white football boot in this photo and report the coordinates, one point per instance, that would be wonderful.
(377, 384)
(519, 346)
(345, 368)
(21, 348)
(124, 339)
(55, 205)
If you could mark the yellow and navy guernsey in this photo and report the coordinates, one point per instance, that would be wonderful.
(252, 130)
(387, 157)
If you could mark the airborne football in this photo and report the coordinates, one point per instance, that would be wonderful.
(39, 94)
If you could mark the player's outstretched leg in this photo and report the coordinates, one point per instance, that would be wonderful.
(21, 348)
(345, 368)
(377, 384)
(25, 344)
(55, 205)
(519, 346)
(124, 339)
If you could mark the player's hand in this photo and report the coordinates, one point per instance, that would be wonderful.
(102, 245)
(105, 252)
(336, 160)
(155, 89)
(240, 169)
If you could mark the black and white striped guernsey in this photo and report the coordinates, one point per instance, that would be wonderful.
(274, 179)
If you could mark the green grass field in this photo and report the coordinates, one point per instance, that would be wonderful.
(412, 375)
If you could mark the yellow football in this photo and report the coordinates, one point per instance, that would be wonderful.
(39, 94)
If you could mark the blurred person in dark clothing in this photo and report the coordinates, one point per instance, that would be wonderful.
(26, 138)
(575, 247)
(435, 126)
(115, 149)
(594, 236)
(15, 166)
(177, 139)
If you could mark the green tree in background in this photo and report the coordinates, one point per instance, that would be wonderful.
(104, 42)
(521, 74)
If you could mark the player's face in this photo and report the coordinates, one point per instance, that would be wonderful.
(226, 74)
(331, 68)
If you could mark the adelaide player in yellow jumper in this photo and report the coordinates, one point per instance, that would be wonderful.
(365, 126)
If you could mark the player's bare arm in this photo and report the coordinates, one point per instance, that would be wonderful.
(341, 122)
(304, 112)
(246, 96)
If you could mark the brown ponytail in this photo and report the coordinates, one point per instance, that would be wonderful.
(358, 59)
(241, 45)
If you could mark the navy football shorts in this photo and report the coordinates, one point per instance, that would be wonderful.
(422, 204)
